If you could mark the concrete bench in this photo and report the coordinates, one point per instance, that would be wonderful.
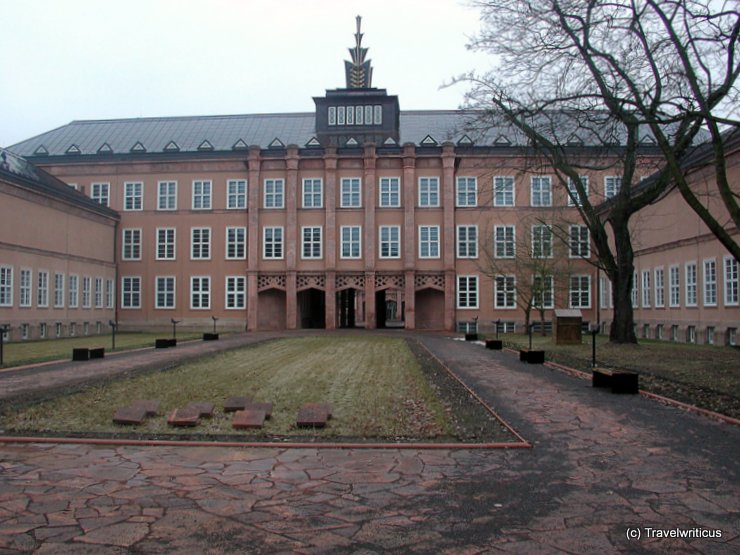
(532, 356)
(87, 353)
(620, 381)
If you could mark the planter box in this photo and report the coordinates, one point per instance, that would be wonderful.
(620, 381)
(532, 357)
(210, 337)
(495, 344)
(471, 337)
(97, 352)
(80, 353)
(164, 343)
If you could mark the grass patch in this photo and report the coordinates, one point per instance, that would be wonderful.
(29, 352)
(705, 375)
(375, 385)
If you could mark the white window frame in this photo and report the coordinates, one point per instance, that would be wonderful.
(463, 192)
(691, 285)
(612, 186)
(25, 289)
(659, 286)
(98, 292)
(646, 289)
(130, 292)
(6, 285)
(236, 293)
(200, 293)
(389, 192)
(273, 244)
(133, 196)
(236, 243)
(465, 297)
(731, 279)
(580, 291)
(100, 192)
(429, 241)
(109, 293)
(200, 246)
(579, 247)
(635, 291)
(309, 244)
(674, 286)
(202, 198)
(429, 192)
(573, 191)
(59, 290)
(547, 292)
(350, 243)
(236, 194)
(131, 243)
(541, 236)
(313, 192)
(504, 296)
(168, 293)
(166, 247)
(386, 244)
(709, 282)
(350, 192)
(42, 288)
(167, 195)
(504, 190)
(540, 191)
(465, 245)
(73, 290)
(273, 194)
(504, 240)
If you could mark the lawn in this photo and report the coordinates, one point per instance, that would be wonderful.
(705, 375)
(28, 352)
(375, 386)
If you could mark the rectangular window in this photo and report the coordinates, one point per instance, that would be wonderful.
(200, 292)
(6, 286)
(602, 292)
(731, 336)
(236, 194)
(543, 291)
(377, 115)
(74, 284)
(200, 243)
(164, 292)
(574, 197)
(311, 247)
(201, 195)
(131, 244)
(24, 331)
(25, 288)
(503, 191)
(167, 195)
(236, 243)
(59, 290)
(42, 289)
(130, 292)
(272, 245)
(690, 279)
(467, 192)
(674, 286)
(691, 334)
(100, 192)
(390, 192)
(634, 292)
(313, 196)
(165, 243)
(390, 241)
(428, 241)
(580, 292)
(467, 241)
(659, 288)
(503, 237)
(580, 244)
(98, 292)
(646, 288)
(109, 293)
(86, 292)
(541, 241)
(42, 330)
(274, 193)
(351, 192)
(710, 335)
(467, 291)
(505, 296)
(710, 282)
(332, 115)
(133, 196)
(428, 192)
(236, 287)
(351, 241)
(612, 185)
(732, 291)
(541, 191)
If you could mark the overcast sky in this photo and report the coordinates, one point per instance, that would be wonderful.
(67, 60)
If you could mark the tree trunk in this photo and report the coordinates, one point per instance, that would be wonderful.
(622, 329)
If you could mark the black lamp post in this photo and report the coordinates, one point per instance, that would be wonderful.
(113, 325)
(594, 332)
(3, 330)
(498, 325)
(214, 323)
(174, 327)
(531, 327)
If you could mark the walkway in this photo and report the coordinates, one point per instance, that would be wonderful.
(603, 467)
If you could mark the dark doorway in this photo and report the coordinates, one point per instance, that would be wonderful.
(381, 309)
(311, 308)
(346, 299)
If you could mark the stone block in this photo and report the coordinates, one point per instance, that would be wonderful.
(131, 415)
(150, 406)
(266, 407)
(233, 404)
(248, 419)
(312, 415)
(183, 417)
(204, 409)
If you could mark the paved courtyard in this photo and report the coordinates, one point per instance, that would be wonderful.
(603, 470)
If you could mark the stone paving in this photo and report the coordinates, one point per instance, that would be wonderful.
(602, 467)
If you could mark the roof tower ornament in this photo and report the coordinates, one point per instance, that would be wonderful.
(359, 74)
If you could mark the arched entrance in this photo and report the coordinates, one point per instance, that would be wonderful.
(312, 308)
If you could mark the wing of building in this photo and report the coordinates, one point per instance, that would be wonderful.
(358, 214)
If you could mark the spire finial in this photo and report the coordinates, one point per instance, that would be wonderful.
(358, 72)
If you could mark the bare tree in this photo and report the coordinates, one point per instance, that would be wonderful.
(596, 85)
